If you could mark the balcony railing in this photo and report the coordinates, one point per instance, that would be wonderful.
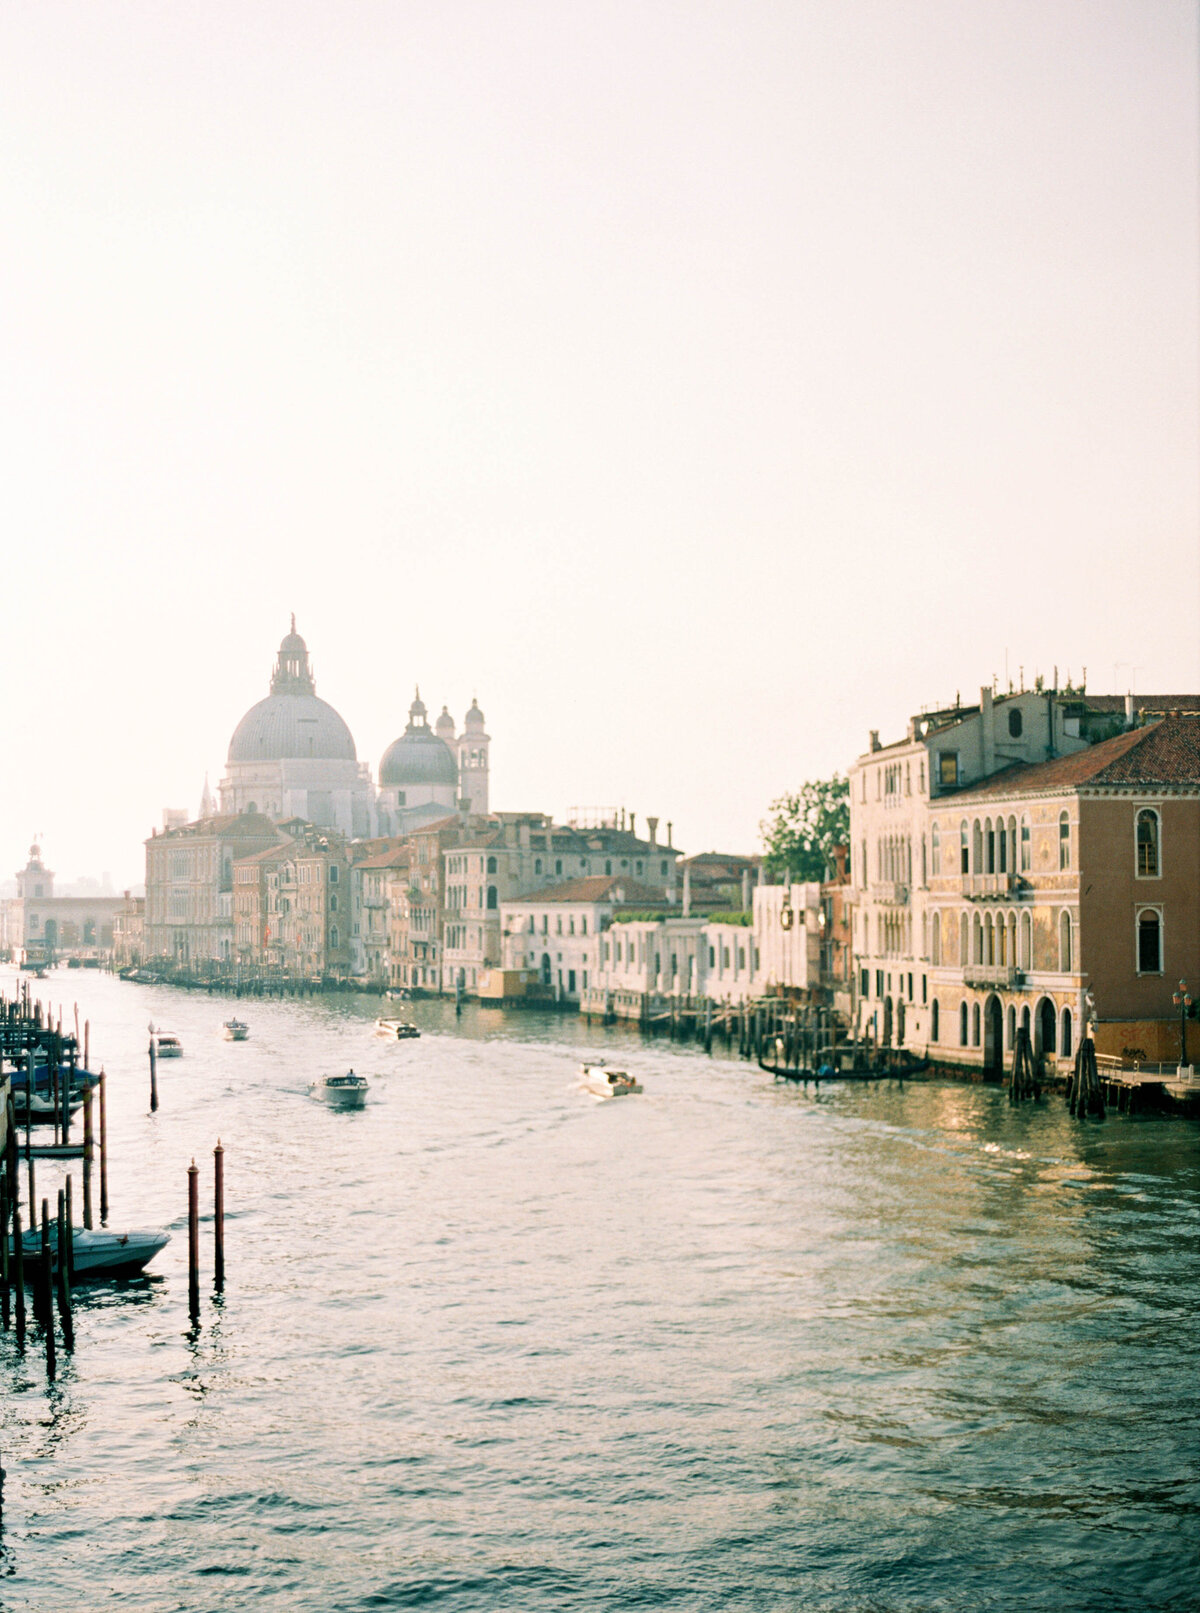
(890, 895)
(982, 886)
(993, 975)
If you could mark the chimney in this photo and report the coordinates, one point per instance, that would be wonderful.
(875, 739)
(670, 826)
(745, 889)
(633, 823)
(1129, 712)
(523, 836)
(652, 825)
(687, 890)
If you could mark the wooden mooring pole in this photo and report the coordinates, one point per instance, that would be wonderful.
(103, 1151)
(219, 1215)
(153, 1076)
(193, 1240)
(63, 1274)
(45, 1299)
(18, 1273)
(89, 1148)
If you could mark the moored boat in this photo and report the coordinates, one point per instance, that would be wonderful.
(1184, 1086)
(97, 1254)
(347, 1091)
(235, 1030)
(603, 1082)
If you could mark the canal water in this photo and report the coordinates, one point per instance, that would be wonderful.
(491, 1343)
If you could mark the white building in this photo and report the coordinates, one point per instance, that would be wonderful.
(555, 934)
(292, 756)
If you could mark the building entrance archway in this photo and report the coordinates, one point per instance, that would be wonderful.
(993, 1039)
(1045, 1040)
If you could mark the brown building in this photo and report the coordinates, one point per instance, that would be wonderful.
(1070, 879)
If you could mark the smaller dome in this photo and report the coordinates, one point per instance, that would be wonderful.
(473, 721)
(445, 723)
(418, 757)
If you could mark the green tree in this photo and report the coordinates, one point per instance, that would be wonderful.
(804, 827)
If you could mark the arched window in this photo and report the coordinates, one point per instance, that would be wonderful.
(964, 848)
(977, 931)
(1026, 846)
(1065, 1038)
(975, 1025)
(1147, 844)
(1064, 941)
(935, 939)
(962, 1024)
(964, 931)
(491, 865)
(332, 909)
(935, 848)
(1149, 941)
(977, 847)
(1025, 955)
(934, 1022)
(1014, 722)
(493, 898)
(333, 941)
(989, 841)
(537, 865)
(1064, 840)
(1010, 1028)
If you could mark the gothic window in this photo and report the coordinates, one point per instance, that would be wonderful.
(1147, 844)
(964, 931)
(1026, 847)
(989, 837)
(934, 1026)
(491, 865)
(332, 902)
(1064, 840)
(935, 942)
(975, 1025)
(1149, 941)
(962, 1024)
(493, 897)
(1064, 941)
(976, 847)
(964, 847)
(1065, 1039)
(935, 847)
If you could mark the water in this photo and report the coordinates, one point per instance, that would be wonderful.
(492, 1344)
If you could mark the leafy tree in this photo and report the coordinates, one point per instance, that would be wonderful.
(804, 827)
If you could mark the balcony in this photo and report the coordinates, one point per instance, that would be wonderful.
(889, 895)
(993, 976)
(991, 887)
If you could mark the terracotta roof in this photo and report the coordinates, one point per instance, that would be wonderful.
(1163, 753)
(593, 888)
(1158, 704)
(398, 858)
(283, 849)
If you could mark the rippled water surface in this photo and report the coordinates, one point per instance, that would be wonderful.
(490, 1343)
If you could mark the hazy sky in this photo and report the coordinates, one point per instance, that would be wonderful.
(700, 385)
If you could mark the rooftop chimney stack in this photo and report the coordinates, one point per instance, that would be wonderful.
(875, 745)
(1129, 711)
(670, 826)
(652, 826)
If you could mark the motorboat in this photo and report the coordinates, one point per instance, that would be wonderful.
(603, 1082)
(397, 1030)
(235, 1030)
(165, 1045)
(97, 1254)
(40, 1108)
(347, 1091)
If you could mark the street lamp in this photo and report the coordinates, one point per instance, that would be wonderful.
(1183, 1001)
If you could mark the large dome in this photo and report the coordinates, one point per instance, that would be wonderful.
(288, 727)
(418, 757)
(291, 724)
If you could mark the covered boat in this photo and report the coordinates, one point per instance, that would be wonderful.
(396, 1030)
(603, 1082)
(98, 1254)
(347, 1091)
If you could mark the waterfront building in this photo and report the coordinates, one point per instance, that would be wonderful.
(41, 924)
(837, 935)
(787, 933)
(713, 880)
(1050, 881)
(415, 907)
(292, 755)
(553, 937)
(892, 791)
(256, 902)
(374, 872)
(189, 885)
(129, 940)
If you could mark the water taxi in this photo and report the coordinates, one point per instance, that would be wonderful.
(165, 1045)
(347, 1091)
(603, 1082)
(235, 1030)
(396, 1030)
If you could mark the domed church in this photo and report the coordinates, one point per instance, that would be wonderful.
(429, 772)
(292, 756)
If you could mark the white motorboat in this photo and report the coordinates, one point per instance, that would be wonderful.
(235, 1030)
(603, 1082)
(347, 1091)
(40, 1108)
(165, 1045)
(97, 1254)
(396, 1030)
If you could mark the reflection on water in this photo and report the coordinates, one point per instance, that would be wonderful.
(490, 1343)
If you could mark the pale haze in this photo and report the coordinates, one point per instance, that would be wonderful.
(698, 386)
